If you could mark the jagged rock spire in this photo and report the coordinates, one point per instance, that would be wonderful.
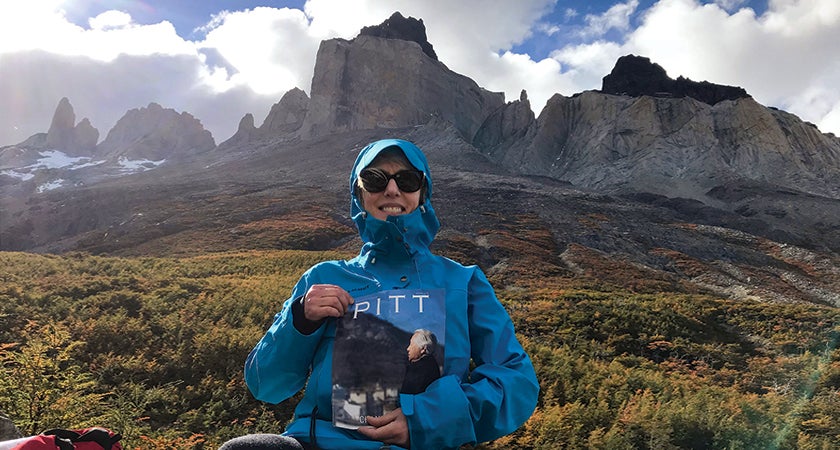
(64, 135)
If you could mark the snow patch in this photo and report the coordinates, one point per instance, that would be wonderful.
(55, 184)
(19, 175)
(138, 165)
(54, 159)
(51, 159)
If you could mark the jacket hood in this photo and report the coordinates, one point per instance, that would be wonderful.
(416, 229)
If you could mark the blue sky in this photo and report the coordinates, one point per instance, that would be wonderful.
(219, 60)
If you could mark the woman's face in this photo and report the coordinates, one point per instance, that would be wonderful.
(392, 201)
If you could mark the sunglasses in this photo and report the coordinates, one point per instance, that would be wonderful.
(376, 180)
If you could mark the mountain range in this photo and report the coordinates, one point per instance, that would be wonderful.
(671, 182)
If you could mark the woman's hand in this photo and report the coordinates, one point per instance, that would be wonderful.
(325, 300)
(392, 428)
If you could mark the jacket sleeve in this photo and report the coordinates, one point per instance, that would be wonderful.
(279, 364)
(500, 393)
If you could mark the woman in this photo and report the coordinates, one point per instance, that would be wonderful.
(422, 367)
(391, 191)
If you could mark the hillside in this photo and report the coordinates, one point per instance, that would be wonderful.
(154, 347)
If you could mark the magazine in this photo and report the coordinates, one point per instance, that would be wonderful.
(389, 342)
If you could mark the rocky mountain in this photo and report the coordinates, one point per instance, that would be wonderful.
(68, 154)
(155, 134)
(72, 139)
(681, 141)
(682, 184)
(372, 82)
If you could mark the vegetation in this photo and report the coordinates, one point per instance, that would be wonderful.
(154, 347)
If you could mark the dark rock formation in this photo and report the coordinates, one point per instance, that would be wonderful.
(85, 136)
(636, 76)
(154, 133)
(406, 29)
(64, 135)
(61, 127)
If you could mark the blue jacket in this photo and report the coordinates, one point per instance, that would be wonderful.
(463, 406)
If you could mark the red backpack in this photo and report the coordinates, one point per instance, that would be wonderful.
(84, 439)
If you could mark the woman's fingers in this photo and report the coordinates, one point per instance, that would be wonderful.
(326, 300)
(392, 428)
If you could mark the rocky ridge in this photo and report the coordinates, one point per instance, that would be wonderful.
(68, 155)
(154, 133)
(726, 196)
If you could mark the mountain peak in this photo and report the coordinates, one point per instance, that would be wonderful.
(156, 133)
(65, 135)
(385, 82)
(406, 29)
(637, 76)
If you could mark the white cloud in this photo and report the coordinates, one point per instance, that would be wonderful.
(26, 25)
(110, 19)
(831, 121)
(345, 18)
(617, 17)
(260, 44)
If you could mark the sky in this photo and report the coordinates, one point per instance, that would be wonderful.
(221, 59)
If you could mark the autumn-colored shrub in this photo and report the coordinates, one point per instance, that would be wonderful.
(154, 347)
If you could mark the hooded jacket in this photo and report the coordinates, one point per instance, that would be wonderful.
(463, 406)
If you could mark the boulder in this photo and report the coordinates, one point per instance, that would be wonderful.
(8, 430)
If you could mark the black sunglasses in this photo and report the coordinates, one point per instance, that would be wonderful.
(376, 180)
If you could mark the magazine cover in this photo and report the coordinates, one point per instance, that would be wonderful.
(387, 343)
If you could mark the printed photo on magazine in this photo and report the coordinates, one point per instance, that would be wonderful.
(388, 343)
